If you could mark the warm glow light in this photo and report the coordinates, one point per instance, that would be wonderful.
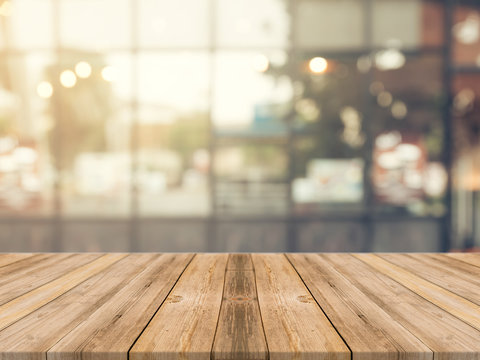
(6, 9)
(83, 69)
(384, 99)
(260, 63)
(45, 90)
(467, 32)
(108, 73)
(399, 109)
(318, 65)
(389, 59)
(68, 78)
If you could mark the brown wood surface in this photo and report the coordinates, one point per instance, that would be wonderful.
(184, 327)
(239, 306)
(368, 330)
(6, 259)
(295, 327)
(240, 330)
(118, 322)
(444, 299)
(36, 271)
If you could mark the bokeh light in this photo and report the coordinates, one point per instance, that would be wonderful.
(384, 99)
(83, 69)
(108, 73)
(68, 78)
(260, 63)
(318, 65)
(45, 90)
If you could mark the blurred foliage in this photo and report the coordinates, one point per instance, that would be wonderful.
(315, 115)
(187, 134)
(80, 112)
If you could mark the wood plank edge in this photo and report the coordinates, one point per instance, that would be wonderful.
(259, 308)
(63, 293)
(159, 306)
(287, 256)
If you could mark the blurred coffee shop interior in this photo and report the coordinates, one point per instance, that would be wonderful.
(228, 125)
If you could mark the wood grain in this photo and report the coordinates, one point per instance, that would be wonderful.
(239, 331)
(32, 300)
(368, 330)
(184, 327)
(447, 336)
(37, 272)
(113, 327)
(455, 276)
(295, 326)
(472, 259)
(447, 300)
(32, 336)
(6, 259)
(239, 306)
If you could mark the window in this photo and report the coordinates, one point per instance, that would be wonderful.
(272, 116)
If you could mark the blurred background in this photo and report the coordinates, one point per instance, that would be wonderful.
(228, 125)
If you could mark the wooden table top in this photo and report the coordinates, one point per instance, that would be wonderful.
(239, 306)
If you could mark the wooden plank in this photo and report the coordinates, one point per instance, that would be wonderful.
(28, 276)
(371, 333)
(455, 276)
(295, 326)
(453, 303)
(31, 337)
(240, 262)
(470, 258)
(18, 269)
(184, 327)
(113, 327)
(447, 336)
(6, 259)
(239, 331)
(25, 304)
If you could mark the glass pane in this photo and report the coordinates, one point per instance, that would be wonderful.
(336, 120)
(95, 24)
(251, 179)
(29, 23)
(92, 110)
(252, 23)
(330, 24)
(328, 184)
(397, 23)
(407, 172)
(247, 99)
(433, 23)
(466, 35)
(26, 163)
(173, 134)
(328, 115)
(174, 23)
(466, 168)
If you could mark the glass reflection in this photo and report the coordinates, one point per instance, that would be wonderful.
(95, 24)
(238, 25)
(247, 99)
(173, 131)
(27, 168)
(466, 35)
(90, 135)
